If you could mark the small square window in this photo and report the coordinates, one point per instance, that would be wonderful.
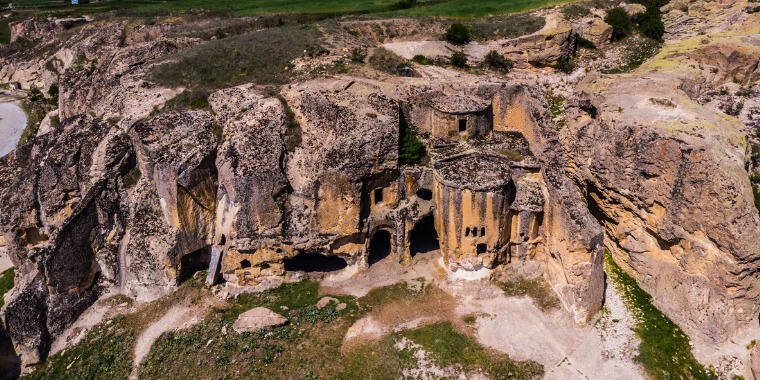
(481, 248)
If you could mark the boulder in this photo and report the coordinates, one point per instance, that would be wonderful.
(324, 301)
(598, 32)
(256, 319)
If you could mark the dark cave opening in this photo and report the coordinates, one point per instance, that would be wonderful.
(379, 246)
(193, 262)
(314, 262)
(423, 237)
(425, 194)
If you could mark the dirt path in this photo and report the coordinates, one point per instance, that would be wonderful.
(176, 318)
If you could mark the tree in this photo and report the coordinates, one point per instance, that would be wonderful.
(620, 21)
(458, 34)
(650, 24)
(411, 149)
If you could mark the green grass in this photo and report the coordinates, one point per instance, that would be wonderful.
(448, 347)
(104, 353)
(664, 350)
(444, 8)
(6, 284)
(556, 107)
(261, 56)
(310, 346)
(537, 289)
(35, 112)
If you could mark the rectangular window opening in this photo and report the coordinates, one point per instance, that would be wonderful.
(481, 248)
(378, 195)
(463, 125)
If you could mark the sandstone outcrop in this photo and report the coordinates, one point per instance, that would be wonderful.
(256, 319)
(667, 178)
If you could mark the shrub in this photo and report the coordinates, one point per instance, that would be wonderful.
(498, 62)
(411, 149)
(756, 192)
(358, 55)
(650, 24)
(565, 65)
(403, 4)
(35, 95)
(421, 59)
(620, 22)
(132, 177)
(458, 34)
(458, 59)
(53, 93)
(583, 43)
(575, 11)
(387, 61)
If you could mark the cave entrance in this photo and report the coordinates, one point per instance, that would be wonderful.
(423, 237)
(314, 262)
(379, 246)
(193, 262)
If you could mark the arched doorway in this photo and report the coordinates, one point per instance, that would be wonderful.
(379, 246)
(193, 262)
(423, 237)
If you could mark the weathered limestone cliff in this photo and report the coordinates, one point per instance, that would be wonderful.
(666, 176)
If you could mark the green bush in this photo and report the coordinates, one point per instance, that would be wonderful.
(458, 34)
(650, 24)
(421, 59)
(387, 61)
(458, 59)
(411, 150)
(565, 65)
(358, 54)
(53, 93)
(620, 21)
(498, 62)
(6, 284)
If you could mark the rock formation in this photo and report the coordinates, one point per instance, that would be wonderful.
(130, 193)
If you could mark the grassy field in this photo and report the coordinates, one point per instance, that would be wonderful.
(443, 8)
(309, 347)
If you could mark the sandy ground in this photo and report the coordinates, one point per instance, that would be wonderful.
(514, 325)
(12, 124)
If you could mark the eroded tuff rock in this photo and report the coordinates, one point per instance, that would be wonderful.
(62, 222)
(667, 179)
(251, 217)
